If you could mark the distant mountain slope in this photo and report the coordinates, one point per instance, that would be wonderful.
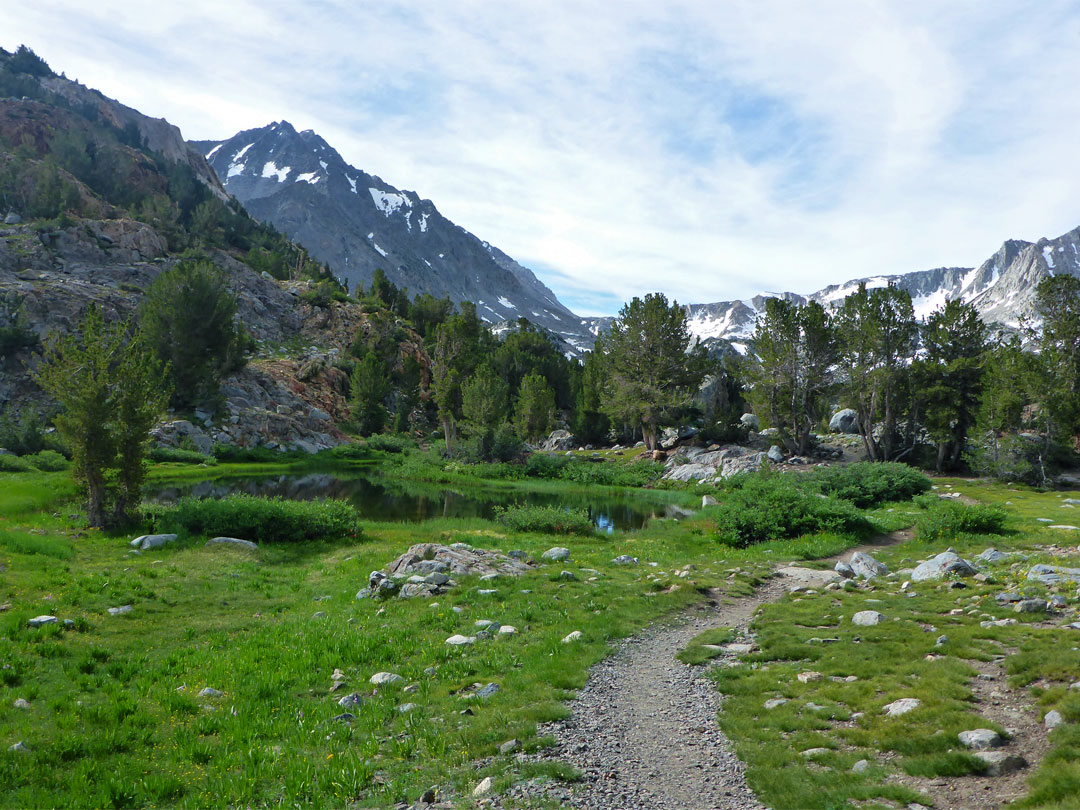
(356, 222)
(1002, 287)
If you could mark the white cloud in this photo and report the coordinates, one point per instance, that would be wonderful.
(709, 150)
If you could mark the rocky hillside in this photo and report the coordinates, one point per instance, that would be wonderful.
(356, 222)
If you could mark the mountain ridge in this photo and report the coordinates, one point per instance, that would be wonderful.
(356, 222)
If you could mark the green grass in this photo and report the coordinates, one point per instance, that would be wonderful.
(116, 719)
(698, 650)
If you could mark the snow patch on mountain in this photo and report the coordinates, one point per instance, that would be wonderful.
(270, 169)
(388, 201)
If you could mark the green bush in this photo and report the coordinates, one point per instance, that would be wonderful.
(389, 443)
(266, 520)
(869, 483)
(47, 461)
(946, 519)
(9, 463)
(545, 465)
(180, 456)
(544, 519)
(231, 453)
(638, 474)
(769, 506)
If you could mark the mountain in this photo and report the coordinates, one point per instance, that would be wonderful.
(1002, 288)
(356, 222)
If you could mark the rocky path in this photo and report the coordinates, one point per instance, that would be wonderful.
(643, 731)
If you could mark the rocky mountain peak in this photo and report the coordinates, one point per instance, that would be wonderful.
(356, 223)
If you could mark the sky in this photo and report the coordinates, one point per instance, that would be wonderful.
(707, 150)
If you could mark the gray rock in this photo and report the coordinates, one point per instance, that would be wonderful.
(149, 541)
(556, 554)
(385, 678)
(844, 421)
(708, 500)
(211, 692)
(775, 703)
(344, 717)
(507, 630)
(19, 747)
(41, 621)
(21, 703)
(900, 707)
(813, 752)
(776, 455)
(992, 555)
(405, 708)
(980, 739)
(458, 640)
(487, 691)
(12, 219)
(844, 570)
(1030, 606)
(1053, 574)
(947, 562)
(570, 637)
(867, 618)
(509, 747)
(120, 611)
(750, 421)
(485, 787)
(351, 701)
(999, 763)
(236, 542)
(567, 576)
(862, 766)
(1007, 598)
(625, 559)
(1053, 719)
(866, 566)
(558, 441)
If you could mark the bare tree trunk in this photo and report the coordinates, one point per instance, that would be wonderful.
(95, 506)
(648, 434)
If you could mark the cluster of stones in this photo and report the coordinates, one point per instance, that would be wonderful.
(426, 570)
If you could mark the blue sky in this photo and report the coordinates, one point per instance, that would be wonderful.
(710, 150)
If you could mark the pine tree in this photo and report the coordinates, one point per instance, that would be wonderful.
(948, 379)
(188, 319)
(877, 336)
(370, 387)
(653, 366)
(535, 410)
(110, 389)
(794, 348)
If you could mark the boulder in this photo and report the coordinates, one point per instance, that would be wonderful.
(902, 706)
(707, 500)
(845, 421)
(1000, 763)
(558, 441)
(947, 562)
(867, 618)
(844, 570)
(1053, 574)
(980, 739)
(458, 559)
(776, 455)
(385, 678)
(866, 566)
(148, 541)
(235, 542)
(1053, 719)
(556, 554)
(750, 421)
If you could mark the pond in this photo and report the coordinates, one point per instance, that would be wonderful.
(377, 499)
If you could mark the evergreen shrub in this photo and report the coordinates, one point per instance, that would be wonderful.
(544, 519)
(766, 506)
(946, 519)
(264, 520)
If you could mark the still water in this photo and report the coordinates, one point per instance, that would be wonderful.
(377, 499)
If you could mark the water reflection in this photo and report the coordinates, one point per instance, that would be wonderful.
(378, 499)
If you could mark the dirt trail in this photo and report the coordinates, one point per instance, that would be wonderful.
(643, 730)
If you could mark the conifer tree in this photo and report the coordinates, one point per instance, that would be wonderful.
(653, 364)
(535, 409)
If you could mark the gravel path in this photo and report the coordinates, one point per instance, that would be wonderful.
(643, 730)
